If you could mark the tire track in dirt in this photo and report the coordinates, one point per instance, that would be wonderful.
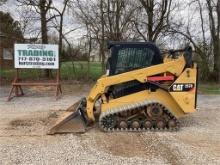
(160, 148)
(144, 145)
(34, 124)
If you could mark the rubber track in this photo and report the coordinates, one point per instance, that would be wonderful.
(117, 110)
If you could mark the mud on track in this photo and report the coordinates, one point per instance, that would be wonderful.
(25, 121)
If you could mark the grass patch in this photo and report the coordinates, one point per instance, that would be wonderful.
(80, 72)
(67, 71)
(209, 88)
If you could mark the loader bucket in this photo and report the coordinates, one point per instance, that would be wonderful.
(72, 120)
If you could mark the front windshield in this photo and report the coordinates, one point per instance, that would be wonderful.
(133, 58)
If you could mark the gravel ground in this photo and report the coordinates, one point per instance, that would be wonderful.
(24, 122)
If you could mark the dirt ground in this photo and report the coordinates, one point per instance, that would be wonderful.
(24, 123)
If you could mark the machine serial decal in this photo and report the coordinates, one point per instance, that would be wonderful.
(181, 87)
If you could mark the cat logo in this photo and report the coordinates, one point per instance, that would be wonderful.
(181, 87)
(177, 87)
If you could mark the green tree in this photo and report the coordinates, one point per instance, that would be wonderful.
(10, 27)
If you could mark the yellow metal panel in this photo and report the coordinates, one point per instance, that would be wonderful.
(174, 67)
(186, 100)
(160, 95)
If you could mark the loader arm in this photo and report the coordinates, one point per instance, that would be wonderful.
(174, 66)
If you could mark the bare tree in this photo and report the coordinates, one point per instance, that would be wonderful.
(213, 8)
(196, 36)
(202, 29)
(118, 19)
(108, 20)
(27, 20)
(2, 2)
(58, 21)
(152, 18)
(102, 51)
(42, 8)
(91, 15)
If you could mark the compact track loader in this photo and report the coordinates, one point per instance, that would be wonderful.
(142, 90)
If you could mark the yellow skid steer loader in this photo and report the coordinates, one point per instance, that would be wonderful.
(142, 90)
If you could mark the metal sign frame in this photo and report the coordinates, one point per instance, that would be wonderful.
(17, 84)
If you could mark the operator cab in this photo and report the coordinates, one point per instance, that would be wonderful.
(128, 56)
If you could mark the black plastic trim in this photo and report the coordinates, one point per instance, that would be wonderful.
(197, 83)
